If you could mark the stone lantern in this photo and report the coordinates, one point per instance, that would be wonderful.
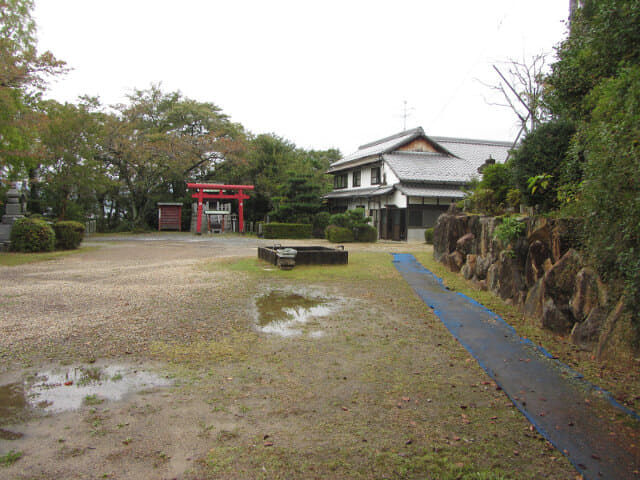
(13, 211)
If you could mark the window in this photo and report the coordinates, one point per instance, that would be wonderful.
(340, 181)
(415, 217)
(356, 178)
(375, 175)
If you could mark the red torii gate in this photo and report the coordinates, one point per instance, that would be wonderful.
(201, 195)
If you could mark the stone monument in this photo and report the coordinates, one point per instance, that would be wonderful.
(13, 211)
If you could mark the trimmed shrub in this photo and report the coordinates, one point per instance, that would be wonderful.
(428, 236)
(320, 223)
(287, 230)
(336, 234)
(32, 235)
(366, 233)
(340, 220)
(69, 234)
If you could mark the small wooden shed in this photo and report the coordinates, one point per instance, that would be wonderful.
(169, 216)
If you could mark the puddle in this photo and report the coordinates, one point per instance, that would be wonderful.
(287, 313)
(65, 389)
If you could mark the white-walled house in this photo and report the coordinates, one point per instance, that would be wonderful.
(405, 181)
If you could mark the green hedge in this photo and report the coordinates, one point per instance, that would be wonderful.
(32, 235)
(69, 234)
(428, 236)
(287, 230)
(366, 233)
(336, 234)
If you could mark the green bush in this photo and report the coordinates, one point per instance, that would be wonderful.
(32, 235)
(69, 234)
(497, 178)
(543, 152)
(365, 233)
(320, 223)
(514, 198)
(428, 236)
(340, 220)
(509, 230)
(336, 234)
(287, 230)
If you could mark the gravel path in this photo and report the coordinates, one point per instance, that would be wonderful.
(134, 287)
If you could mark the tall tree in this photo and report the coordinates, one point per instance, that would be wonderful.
(73, 177)
(23, 75)
(596, 84)
(159, 138)
(604, 36)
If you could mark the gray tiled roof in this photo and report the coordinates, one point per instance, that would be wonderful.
(426, 190)
(360, 192)
(476, 151)
(384, 145)
(429, 167)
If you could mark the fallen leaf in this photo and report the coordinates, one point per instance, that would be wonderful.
(268, 444)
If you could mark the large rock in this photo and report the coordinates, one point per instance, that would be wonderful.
(589, 293)
(469, 268)
(505, 278)
(588, 332)
(482, 267)
(564, 237)
(556, 318)
(449, 228)
(453, 261)
(487, 245)
(534, 301)
(539, 230)
(465, 244)
(537, 255)
(559, 282)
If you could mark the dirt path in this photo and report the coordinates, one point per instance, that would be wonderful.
(571, 413)
(369, 386)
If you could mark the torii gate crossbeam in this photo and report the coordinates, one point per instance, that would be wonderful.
(201, 195)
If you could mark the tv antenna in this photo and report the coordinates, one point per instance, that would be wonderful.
(406, 112)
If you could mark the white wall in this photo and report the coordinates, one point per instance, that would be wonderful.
(415, 234)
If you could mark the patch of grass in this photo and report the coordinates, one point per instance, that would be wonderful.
(92, 400)
(13, 259)
(234, 347)
(362, 266)
(89, 375)
(10, 458)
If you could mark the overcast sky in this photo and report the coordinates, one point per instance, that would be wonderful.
(322, 74)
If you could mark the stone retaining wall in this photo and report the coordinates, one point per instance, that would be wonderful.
(542, 272)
